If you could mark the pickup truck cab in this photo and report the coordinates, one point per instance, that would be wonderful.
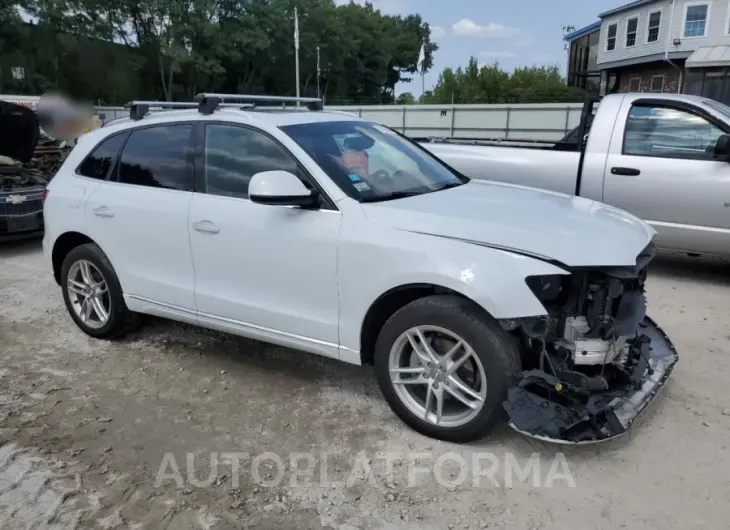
(662, 157)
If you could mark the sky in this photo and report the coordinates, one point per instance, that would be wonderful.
(513, 32)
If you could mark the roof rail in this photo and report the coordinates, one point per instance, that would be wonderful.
(311, 103)
(139, 109)
(207, 103)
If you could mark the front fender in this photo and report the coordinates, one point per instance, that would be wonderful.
(493, 278)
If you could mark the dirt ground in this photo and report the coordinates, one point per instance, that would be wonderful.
(135, 434)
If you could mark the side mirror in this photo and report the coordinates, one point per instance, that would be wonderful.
(280, 188)
(722, 148)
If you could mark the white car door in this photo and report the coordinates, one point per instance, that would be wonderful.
(661, 167)
(259, 268)
(139, 217)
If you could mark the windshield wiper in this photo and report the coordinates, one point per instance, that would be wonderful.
(392, 195)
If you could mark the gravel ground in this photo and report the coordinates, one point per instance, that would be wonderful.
(177, 427)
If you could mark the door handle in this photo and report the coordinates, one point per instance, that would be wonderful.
(206, 226)
(625, 171)
(103, 211)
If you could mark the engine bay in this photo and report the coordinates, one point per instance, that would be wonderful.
(594, 352)
(16, 177)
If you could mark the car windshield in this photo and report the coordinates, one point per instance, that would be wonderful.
(370, 162)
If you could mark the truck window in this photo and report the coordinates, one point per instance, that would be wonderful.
(669, 132)
(573, 137)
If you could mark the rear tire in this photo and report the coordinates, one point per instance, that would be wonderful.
(93, 295)
(491, 361)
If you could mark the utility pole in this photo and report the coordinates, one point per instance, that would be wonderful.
(421, 65)
(318, 71)
(296, 48)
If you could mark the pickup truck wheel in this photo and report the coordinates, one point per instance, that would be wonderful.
(444, 367)
(93, 295)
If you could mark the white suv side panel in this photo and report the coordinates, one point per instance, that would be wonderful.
(271, 268)
(63, 208)
(144, 232)
(375, 259)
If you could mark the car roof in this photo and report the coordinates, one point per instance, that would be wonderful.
(262, 116)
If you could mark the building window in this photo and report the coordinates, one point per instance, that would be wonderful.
(611, 40)
(631, 26)
(713, 87)
(695, 20)
(657, 83)
(634, 84)
(583, 62)
(655, 20)
(709, 83)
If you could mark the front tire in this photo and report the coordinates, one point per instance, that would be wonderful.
(93, 295)
(444, 367)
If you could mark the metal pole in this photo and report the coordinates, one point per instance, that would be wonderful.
(296, 48)
(318, 71)
(423, 88)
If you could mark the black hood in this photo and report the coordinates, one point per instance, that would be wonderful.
(19, 131)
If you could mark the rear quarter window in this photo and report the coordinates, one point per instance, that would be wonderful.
(99, 162)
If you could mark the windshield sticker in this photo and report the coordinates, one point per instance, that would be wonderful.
(362, 186)
(354, 178)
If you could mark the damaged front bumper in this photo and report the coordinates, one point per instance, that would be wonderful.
(543, 407)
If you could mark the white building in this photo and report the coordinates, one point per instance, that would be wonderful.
(667, 46)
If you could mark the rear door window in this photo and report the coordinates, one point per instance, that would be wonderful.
(159, 157)
(99, 162)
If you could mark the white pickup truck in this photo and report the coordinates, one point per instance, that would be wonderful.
(663, 157)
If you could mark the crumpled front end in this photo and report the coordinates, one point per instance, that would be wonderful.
(595, 363)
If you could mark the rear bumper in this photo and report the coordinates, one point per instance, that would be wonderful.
(537, 410)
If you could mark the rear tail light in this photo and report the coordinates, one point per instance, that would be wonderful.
(45, 194)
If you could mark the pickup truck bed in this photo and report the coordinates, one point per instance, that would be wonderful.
(662, 157)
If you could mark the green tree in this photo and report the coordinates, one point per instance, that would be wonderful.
(172, 49)
(492, 84)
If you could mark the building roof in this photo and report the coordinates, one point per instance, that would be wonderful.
(709, 56)
(655, 57)
(625, 7)
(583, 31)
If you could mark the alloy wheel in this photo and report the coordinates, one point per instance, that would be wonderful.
(437, 376)
(88, 293)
